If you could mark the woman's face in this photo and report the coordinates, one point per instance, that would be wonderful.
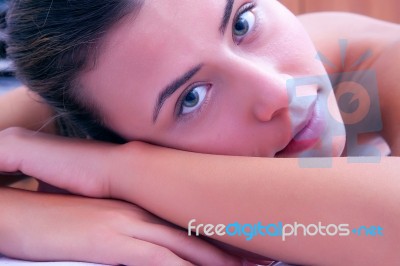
(211, 76)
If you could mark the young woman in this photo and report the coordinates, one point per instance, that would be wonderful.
(228, 94)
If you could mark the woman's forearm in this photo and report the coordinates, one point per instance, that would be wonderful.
(181, 186)
(21, 108)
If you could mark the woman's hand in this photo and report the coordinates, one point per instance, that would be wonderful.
(77, 165)
(44, 227)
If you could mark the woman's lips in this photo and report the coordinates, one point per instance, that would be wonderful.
(308, 136)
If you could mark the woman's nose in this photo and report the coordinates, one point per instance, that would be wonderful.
(262, 87)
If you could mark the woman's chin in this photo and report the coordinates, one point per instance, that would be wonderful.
(331, 148)
(321, 149)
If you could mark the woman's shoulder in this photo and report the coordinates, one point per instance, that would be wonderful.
(373, 43)
(331, 30)
(346, 25)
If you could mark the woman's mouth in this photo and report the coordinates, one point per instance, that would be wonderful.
(308, 136)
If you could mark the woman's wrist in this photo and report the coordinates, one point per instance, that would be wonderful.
(129, 164)
(13, 209)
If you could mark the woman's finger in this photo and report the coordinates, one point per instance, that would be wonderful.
(132, 252)
(191, 248)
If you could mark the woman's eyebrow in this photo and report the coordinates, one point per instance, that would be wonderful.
(170, 89)
(227, 16)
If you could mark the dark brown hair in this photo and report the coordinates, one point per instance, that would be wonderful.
(52, 42)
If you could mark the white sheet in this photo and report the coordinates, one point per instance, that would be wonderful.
(13, 262)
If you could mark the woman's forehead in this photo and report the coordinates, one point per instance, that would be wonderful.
(164, 30)
(187, 7)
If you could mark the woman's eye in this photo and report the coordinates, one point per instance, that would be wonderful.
(244, 24)
(193, 99)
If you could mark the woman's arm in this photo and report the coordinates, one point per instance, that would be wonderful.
(181, 186)
(45, 227)
(22, 108)
(223, 190)
(388, 68)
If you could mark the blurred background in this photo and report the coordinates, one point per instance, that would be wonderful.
(385, 9)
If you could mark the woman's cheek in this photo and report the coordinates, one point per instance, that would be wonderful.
(283, 41)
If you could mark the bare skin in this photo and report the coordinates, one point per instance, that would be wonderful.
(363, 34)
(21, 108)
(336, 189)
(115, 233)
